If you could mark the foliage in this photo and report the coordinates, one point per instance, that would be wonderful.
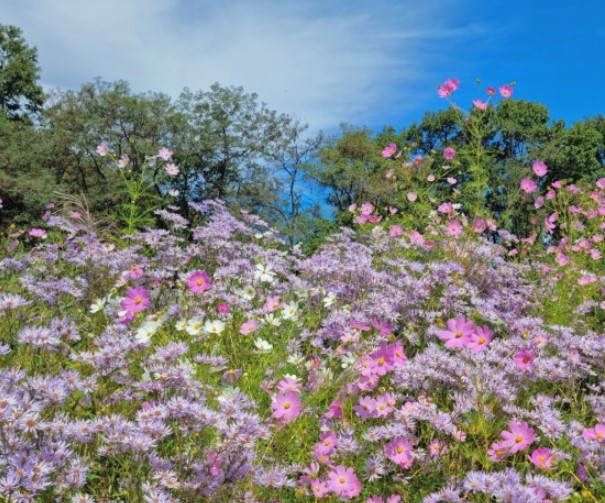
(20, 94)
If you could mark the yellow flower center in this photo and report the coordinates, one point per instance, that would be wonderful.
(518, 439)
(287, 405)
(381, 361)
(481, 340)
(399, 450)
(342, 480)
(138, 300)
(199, 282)
(458, 334)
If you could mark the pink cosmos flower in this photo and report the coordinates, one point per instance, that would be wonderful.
(479, 225)
(165, 154)
(319, 488)
(137, 299)
(491, 91)
(539, 202)
(171, 169)
(524, 358)
(498, 451)
(399, 451)
(37, 233)
(365, 407)
(199, 282)
(396, 231)
(542, 458)
(480, 104)
(448, 87)
(480, 339)
(445, 208)
(343, 482)
(367, 208)
(597, 433)
(286, 406)
(539, 168)
(601, 183)
(334, 411)
(527, 185)
(248, 327)
(272, 304)
(417, 160)
(453, 228)
(103, 149)
(412, 196)
(506, 90)
(123, 161)
(223, 308)
(520, 436)
(352, 208)
(458, 333)
(449, 153)
(328, 442)
(416, 238)
(390, 173)
(389, 151)
(436, 448)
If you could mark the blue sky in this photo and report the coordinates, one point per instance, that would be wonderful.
(364, 62)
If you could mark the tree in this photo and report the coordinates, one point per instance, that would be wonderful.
(75, 122)
(220, 148)
(20, 93)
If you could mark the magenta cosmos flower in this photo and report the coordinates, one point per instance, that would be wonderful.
(399, 451)
(199, 282)
(389, 151)
(524, 358)
(449, 153)
(519, 438)
(597, 433)
(286, 406)
(448, 87)
(343, 482)
(539, 168)
(542, 458)
(137, 299)
(458, 333)
(527, 185)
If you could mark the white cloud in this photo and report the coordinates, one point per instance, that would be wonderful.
(345, 61)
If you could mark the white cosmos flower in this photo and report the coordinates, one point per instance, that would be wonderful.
(194, 326)
(329, 299)
(181, 325)
(214, 327)
(98, 305)
(145, 331)
(272, 320)
(246, 293)
(347, 360)
(295, 359)
(264, 273)
(290, 311)
(262, 345)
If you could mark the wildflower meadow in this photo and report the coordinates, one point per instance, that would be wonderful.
(423, 354)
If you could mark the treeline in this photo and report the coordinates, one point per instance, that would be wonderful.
(229, 145)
